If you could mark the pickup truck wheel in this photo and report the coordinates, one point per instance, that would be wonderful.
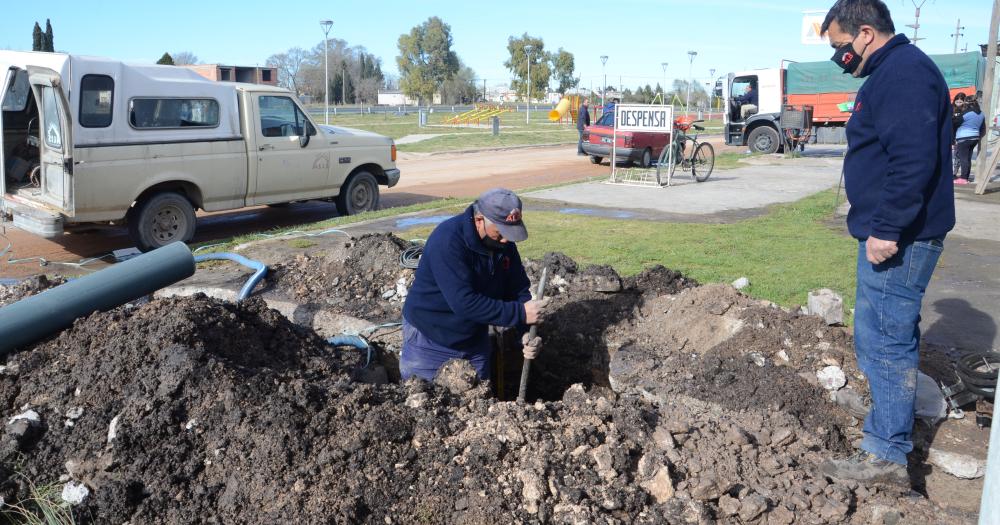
(594, 159)
(359, 194)
(647, 158)
(764, 140)
(161, 219)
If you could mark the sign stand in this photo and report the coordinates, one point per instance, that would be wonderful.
(645, 118)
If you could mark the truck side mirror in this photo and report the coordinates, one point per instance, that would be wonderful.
(307, 131)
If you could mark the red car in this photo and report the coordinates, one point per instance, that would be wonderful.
(641, 149)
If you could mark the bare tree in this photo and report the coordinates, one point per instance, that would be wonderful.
(290, 65)
(185, 58)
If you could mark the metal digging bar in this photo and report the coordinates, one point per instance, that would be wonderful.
(526, 369)
(38, 316)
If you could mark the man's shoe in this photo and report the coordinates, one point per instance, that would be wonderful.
(866, 468)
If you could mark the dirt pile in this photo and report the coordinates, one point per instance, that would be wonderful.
(193, 407)
(28, 287)
(369, 284)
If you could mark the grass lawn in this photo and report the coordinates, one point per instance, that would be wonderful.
(487, 140)
(785, 253)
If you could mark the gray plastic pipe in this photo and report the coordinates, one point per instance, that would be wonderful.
(31, 319)
(989, 511)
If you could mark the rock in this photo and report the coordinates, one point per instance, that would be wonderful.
(781, 515)
(28, 415)
(74, 413)
(741, 283)
(663, 439)
(661, 487)
(113, 429)
(756, 359)
(882, 515)
(752, 506)
(783, 436)
(728, 506)
(389, 294)
(737, 436)
(827, 304)
(852, 402)
(958, 465)
(782, 357)
(832, 378)
(417, 400)
(706, 489)
(74, 493)
(834, 511)
(533, 490)
(605, 462)
(457, 375)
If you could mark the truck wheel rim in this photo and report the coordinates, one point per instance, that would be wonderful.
(361, 197)
(763, 143)
(168, 223)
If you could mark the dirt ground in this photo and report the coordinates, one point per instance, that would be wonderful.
(658, 401)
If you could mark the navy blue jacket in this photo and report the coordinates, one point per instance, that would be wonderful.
(582, 118)
(748, 98)
(898, 165)
(462, 287)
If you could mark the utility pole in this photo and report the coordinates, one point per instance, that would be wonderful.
(343, 86)
(984, 169)
(687, 104)
(663, 89)
(916, 21)
(604, 89)
(958, 33)
(325, 25)
(527, 89)
(484, 91)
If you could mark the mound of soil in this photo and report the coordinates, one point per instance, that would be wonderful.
(231, 413)
(28, 287)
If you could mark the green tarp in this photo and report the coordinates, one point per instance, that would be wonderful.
(810, 78)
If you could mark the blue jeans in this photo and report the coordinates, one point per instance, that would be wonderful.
(423, 358)
(886, 341)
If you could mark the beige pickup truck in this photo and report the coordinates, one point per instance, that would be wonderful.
(88, 140)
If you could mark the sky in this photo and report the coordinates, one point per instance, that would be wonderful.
(636, 35)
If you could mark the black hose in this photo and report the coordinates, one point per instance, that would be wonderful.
(410, 258)
(979, 382)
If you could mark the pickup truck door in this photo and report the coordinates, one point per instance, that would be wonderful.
(55, 140)
(284, 169)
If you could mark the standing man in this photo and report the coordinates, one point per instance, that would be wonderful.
(898, 178)
(582, 121)
(470, 276)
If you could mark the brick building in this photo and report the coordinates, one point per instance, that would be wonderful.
(250, 75)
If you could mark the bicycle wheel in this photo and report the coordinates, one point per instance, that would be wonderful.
(702, 162)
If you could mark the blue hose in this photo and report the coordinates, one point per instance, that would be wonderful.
(355, 341)
(259, 267)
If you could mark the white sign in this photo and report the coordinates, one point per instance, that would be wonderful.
(644, 117)
(812, 26)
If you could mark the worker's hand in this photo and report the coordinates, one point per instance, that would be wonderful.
(532, 347)
(879, 251)
(534, 310)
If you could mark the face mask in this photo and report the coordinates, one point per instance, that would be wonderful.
(848, 59)
(492, 243)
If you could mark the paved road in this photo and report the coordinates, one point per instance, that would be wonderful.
(425, 177)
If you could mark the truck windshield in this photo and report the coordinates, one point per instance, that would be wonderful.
(16, 97)
(280, 117)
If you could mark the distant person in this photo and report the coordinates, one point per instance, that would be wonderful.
(582, 121)
(897, 174)
(971, 129)
(748, 102)
(610, 106)
(957, 110)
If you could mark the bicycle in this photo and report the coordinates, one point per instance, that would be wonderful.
(702, 158)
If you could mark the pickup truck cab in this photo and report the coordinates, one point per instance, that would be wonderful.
(639, 148)
(89, 140)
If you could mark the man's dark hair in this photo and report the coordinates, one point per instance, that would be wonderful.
(852, 14)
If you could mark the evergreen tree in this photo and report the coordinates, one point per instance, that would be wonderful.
(36, 38)
(47, 44)
(166, 60)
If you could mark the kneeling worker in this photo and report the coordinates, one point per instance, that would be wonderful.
(470, 276)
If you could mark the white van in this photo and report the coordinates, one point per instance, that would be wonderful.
(88, 140)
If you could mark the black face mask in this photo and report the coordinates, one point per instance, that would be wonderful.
(847, 58)
(492, 243)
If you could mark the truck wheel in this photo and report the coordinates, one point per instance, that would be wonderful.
(161, 219)
(359, 194)
(647, 158)
(594, 159)
(764, 140)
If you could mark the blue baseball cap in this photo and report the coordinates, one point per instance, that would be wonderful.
(503, 208)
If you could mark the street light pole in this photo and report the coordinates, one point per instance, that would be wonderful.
(687, 104)
(527, 113)
(711, 92)
(604, 88)
(663, 91)
(326, 25)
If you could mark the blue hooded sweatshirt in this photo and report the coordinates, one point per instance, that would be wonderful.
(461, 287)
(898, 166)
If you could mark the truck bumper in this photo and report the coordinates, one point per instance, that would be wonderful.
(33, 220)
(604, 150)
(391, 177)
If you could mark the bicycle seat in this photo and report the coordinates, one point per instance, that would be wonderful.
(697, 127)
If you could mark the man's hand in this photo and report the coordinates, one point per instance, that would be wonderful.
(531, 347)
(879, 251)
(534, 310)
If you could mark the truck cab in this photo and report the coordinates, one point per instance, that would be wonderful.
(91, 140)
(758, 127)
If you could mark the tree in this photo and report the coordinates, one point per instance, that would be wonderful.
(36, 38)
(563, 67)
(426, 59)
(460, 89)
(166, 60)
(541, 70)
(289, 65)
(698, 94)
(185, 58)
(47, 43)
